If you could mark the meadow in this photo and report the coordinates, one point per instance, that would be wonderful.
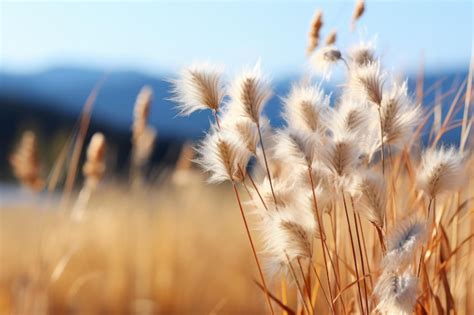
(354, 206)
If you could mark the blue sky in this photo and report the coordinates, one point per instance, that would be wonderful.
(162, 36)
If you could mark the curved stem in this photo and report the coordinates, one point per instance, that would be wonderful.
(253, 247)
(258, 192)
(322, 236)
(365, 250)
(361, 255)
(300, 291)
(266, 164)
(353, 250)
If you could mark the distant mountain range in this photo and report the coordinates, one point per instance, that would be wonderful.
(53, 100)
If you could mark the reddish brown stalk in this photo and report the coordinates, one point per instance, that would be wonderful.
(258, 192)
(293, 273)
(286, 310)
(381, 239)
(339, 295)
(266, 164)
(247, 190)
(321, 286)
(216, 117)
(365, 249)
(322, 236)
(337, 272)
(361, 256)
(353, 250)
(306, 284)
(253, 247)
(333, 265)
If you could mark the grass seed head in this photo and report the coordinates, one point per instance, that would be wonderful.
(25, 162)
(199, 87)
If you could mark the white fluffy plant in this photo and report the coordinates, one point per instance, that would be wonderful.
(322, 161)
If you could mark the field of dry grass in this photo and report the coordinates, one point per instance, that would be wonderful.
(348, 208)
(170, 249)
(167, 249)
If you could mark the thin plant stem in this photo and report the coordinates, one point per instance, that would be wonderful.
(245, 185)
(337, 272)
(381, 239)
(253, 247)
(333, 265)
(361, 255)
(216, 117)
(293, 273)
(266, 163)
(353, 250)
(422, 248)
(258, 192)
(321, 285)
(381, 141)
(306, 285)
(365, 250)
(322, 236)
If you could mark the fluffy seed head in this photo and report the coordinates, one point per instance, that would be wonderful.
(199, 87)
(341, 155)
(358, 11)
(366, 83)
(143, 146)
(287, 235)
(331, 38)
(94, 167)
(351, 116)
(373, 197)
(306, 108)
(250, 91)
(143, 102)
(323, 60)
(396, 293)
(316, 25)
(141, 112)
(224, 156)
(285, 193)
(399, 115)
(243, 128)
(25, 162)
(403, 242)
(441, 170)
(295, 147)
(362, 54)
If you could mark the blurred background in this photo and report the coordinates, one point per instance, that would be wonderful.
(52, 54)
(175, 246)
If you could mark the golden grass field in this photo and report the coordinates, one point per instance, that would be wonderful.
(167, 249)
(326, 242)
(163, 249)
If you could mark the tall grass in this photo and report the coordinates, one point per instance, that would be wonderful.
(345, 209)
(330, 166)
